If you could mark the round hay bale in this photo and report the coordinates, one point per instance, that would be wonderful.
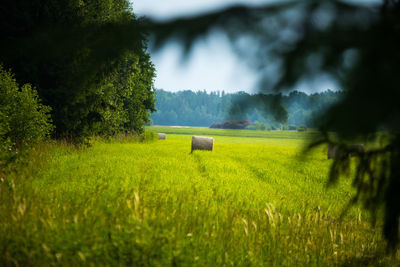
(162, 136)
(202, 143)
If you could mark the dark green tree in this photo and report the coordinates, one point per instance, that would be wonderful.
(74, 52)
(141, 101)
(129, 91)
(280, 113)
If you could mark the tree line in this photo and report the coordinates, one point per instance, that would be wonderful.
(72, 70)
(188, 108)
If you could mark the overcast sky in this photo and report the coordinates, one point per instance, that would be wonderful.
(212, 64)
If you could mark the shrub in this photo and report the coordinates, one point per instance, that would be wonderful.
(292, 127)
(24, 121)
(272, 127)
(251, 127)
(302, 128)
(232, 124)
(262, 126)
(257, 126)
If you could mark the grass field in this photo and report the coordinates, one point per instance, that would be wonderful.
(233, 133)
(253, 201)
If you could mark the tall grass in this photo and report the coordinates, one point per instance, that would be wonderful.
(121, 203)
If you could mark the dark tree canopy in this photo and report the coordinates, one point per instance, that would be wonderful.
(355, 44)
(87, 59)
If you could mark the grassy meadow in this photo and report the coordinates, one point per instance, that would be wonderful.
(253, 201)
(233, 132)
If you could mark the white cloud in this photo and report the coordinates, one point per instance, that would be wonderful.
(211, 66)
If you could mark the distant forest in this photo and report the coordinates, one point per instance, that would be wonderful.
(188, 108)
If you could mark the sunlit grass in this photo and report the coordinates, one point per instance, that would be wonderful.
(234, 133)
(244, 203)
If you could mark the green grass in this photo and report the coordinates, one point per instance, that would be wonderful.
(233, 133)
(250, 202)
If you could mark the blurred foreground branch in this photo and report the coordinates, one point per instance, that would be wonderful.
(355, 45)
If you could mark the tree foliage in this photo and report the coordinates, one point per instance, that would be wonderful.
(353, 43)
(23, 119)
(200, 108)
(87, 60)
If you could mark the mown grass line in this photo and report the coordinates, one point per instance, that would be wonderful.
(234, 133)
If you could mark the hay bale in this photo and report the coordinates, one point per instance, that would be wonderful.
(337, 152)
(162, 136)
(202, 143)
